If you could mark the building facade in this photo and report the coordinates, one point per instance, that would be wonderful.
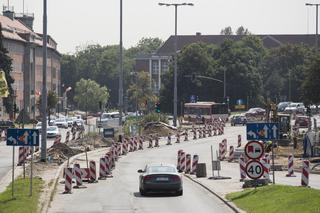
(158, 63)
(25, 48)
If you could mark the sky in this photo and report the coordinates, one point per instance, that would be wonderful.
(76, 23)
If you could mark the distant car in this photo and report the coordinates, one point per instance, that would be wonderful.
(39, 125)
(160, 178)
(282, 106)
(298, 108)
(255, 112)
(110, 119)
(52, 131)
(238, 120)
(61, 123)
(6, 124)
(302, 121)
(70, 121)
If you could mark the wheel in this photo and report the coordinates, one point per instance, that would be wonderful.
(180, 193)
(142, 192)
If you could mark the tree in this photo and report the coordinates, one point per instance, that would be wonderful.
(242, 31)
(6, 66)
(226, 31)
(89, 93)
(52, 100)
(145, 46)
(140, 93)
(311, 89)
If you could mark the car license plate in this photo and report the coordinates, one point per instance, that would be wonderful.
(162, 179)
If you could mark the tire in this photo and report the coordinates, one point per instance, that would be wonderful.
(179, 193)
(142, 192)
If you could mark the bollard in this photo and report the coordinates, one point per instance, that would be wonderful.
(204, 133)
(67, 137)
(199, 133)
(102, 171)
(108, 164)
(22, 156)
(77, 175)
(57, 139)
(182, 161)
(265, 165)
(188, 164)
(74, 135)
(231, 154)
(68, 181)
(93, 175)
(169, 140)
(242, 168)
(186, 135)
(124, 147)
(178, 137)
(305, 173)
(179, 159)
(290, 166)
(194, 164)
(140, 143)
(194, 134)
(150, 142)
(239, 141)
(156, 141)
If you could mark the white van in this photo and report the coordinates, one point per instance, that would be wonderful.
(110, 119)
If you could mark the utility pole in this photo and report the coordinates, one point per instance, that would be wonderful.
(175, 74)
(120, 70)
(44, 86)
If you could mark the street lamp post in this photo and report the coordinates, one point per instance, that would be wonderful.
(175, 75)
(65, 100)
(44, 86)
(120, 70)
(316, 5)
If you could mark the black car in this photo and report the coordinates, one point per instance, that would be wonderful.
(160, 178)
(238, 119)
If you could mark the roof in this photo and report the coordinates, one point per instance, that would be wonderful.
(16, 30)
(269, 40)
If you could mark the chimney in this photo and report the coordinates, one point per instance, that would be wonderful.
(8, 12)
(198, 34)
(26, 19)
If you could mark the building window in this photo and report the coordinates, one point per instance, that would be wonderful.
(54, 75)
(155, 67)
(164, 66)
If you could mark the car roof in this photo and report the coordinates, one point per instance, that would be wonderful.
(160, 164)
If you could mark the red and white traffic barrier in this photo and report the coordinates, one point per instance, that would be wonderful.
(169, 140)
(209, 131)
(239, 141)
(57, 139)
(179, 159)
(108, 164)
(290, 166)
(93, 174)
(199, 133)
(150, 142)
(67, 137)
(186, 135)
(68, 181)
(178, 137)
(156, 141)
(242, 164)
(77, 175)
(135, 144)
(119, 149)
(74, 135)
(124, 147)
(231, 154)
(194, 164)
(140, 143)
(79, 135)
(188, 164)
(182, 161)
(264, 162)
(194, 134)
(22, 156)
(305, 173)
(204, 133)
(102, 171)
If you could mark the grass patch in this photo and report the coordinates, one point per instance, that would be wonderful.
(21, 202)
(277, 198)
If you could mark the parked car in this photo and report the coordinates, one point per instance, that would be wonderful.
(52, 131)
(110, 119)
(70, 121)
(39, 125)
(61, 123)
(302, 121)
(298, 108)
(282, 106)
(255, 112)
(238, 119)
(160, 178)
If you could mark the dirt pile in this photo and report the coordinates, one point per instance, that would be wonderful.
(61, 152)
(159, 128)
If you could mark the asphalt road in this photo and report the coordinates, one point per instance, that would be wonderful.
(121, 194)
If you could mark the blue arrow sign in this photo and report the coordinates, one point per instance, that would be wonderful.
(262, 131)
(22, 137)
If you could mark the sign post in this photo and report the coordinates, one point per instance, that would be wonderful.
(22, 137)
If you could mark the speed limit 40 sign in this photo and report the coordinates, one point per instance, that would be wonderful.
(254, 169)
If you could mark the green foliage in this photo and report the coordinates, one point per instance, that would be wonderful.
(311, 89)
(277, 198)
(6, 66)
(22, 203)
(88, 94)
(145, 46)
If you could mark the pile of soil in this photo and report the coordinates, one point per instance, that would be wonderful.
(94, 141)
(61, 151)
(159, 128)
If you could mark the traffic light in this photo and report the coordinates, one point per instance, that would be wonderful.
(157, 107)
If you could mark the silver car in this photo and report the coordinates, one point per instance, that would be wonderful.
(160, 178)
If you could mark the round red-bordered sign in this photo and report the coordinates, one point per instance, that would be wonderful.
(254, 149)
(254, 169)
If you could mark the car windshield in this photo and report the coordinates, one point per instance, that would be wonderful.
(60, 120)
(293, 105)
(52, 128)
(161, 169)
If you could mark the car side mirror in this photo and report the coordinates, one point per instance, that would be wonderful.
(140, 171)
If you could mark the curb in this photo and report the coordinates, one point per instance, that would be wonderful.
(45, 206)
(228, 203)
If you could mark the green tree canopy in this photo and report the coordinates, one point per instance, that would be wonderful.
(89, 93)
(311, 89)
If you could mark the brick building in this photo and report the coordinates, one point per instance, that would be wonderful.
(25, 48)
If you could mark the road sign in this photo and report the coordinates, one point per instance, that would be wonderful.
(22, 137)
(108, 133)
(254, 169)
(262, 131)
(254, 150)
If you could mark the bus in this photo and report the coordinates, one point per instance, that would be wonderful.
(205, 111)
